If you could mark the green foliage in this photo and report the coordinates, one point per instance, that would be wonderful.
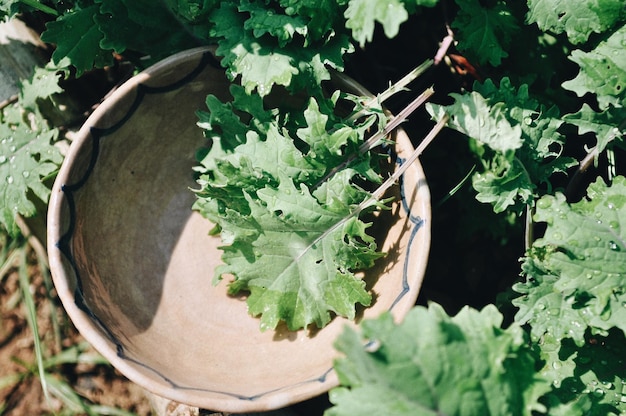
(550, 65)
(292, 238)
(485, 32)
(577, 18)
(78, 38)
(433, 364)
(362, 15)
(515, 137)
(26, 158)
(587, 380)
(574, 273)
(27, 153)
(608, 125)
(602, 71)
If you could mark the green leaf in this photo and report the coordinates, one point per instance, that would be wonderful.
(503, 183)
(516, 139)
(294, 257)
(473, 115)
(292, 237)
(574, 274)
(362, 15)
(323, 16)
(261, 65)
(588, 379)
(266, 21)
(433, 364)
(144, 27)
(8, 8)
(578, 18)
(602, 70)
(484, 32)
(43, 84)
(606, 125)
(413, 5)
(77, 38)
(26, 157)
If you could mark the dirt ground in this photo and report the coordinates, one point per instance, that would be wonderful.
(20, 388)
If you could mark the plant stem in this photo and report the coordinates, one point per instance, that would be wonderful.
(401, 84)
(380, 191)
(457, 187)
(41, 7)
(381, 134)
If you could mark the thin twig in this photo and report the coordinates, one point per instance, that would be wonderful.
(380, 135)
(380, 191)
(445, 45)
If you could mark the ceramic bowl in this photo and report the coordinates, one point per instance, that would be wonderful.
(133, 264)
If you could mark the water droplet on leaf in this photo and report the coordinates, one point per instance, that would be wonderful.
(544, 203)
(9, 179)
(613, 246)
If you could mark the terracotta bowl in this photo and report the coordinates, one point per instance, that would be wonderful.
(133, 264)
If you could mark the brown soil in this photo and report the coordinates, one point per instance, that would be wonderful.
(20, 388)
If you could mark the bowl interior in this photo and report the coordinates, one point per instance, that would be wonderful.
(133, 264)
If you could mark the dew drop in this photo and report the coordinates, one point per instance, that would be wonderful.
(556, 365)
(26, 174)
(3, 159)
(12, 149)
(610, 205)
(608, 385)
(614, 224)
(10, 179)
(598, 392)
(556, 383)
(541, 306)
(613, 246)
(544, 203)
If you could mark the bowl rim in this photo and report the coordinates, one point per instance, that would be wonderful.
(87, 325)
